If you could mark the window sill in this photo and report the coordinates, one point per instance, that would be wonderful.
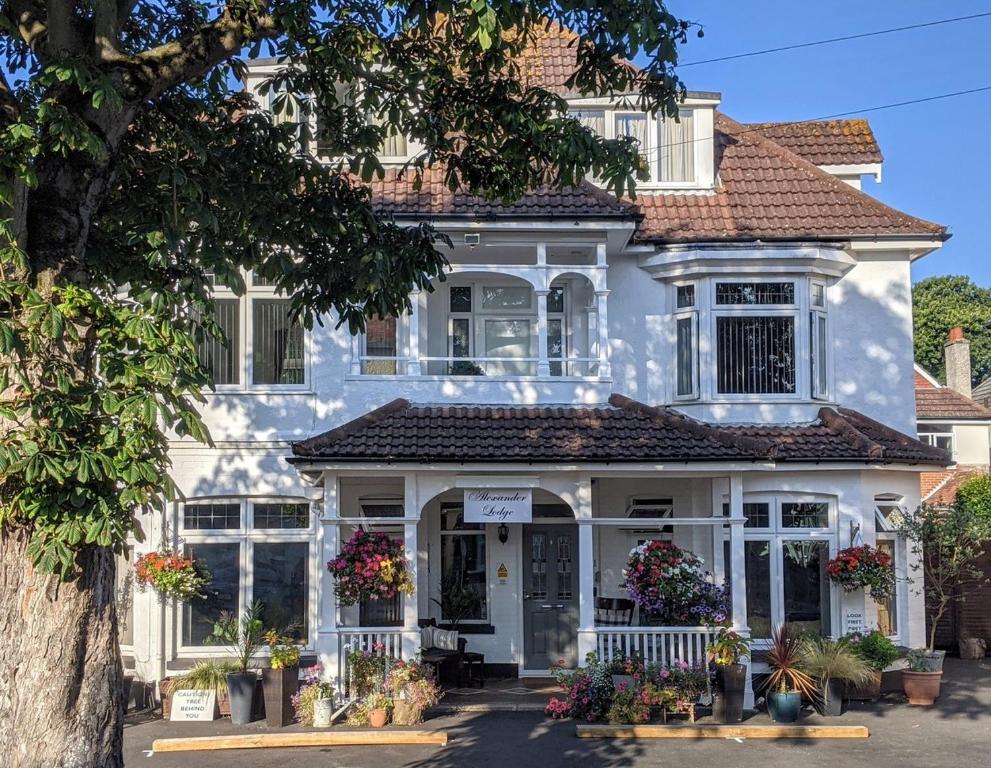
(469, 629)
(261, 390)
(404, 377)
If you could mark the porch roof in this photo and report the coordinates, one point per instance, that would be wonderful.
(622, 431)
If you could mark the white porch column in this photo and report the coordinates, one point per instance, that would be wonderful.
(543, 363)
(602, 324)
(411, 514)
(328, 535)
(357, 344)
(738, 571)
(413, 358)
(586, 570)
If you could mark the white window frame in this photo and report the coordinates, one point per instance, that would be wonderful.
(244, 352)
(777, 534)
(487, 543)
(819, 357)
(245, 536)
(680, 314)
(929, 438)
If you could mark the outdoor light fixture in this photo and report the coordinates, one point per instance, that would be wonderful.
(503, 533)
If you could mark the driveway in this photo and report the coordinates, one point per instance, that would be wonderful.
(956, 732)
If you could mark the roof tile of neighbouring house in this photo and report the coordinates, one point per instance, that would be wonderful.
(945, 403)
(624, 430)
(825, 142)
(940, 488)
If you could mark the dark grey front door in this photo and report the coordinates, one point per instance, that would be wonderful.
(550, 596)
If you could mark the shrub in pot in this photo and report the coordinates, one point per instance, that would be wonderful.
(378, 705)
(725, 653)
(281, 681)
(877, 650)
(832, 664)
(243, 636)
(207, 675)
(413, 690)
(923, 677)
(313, 702)
(786, 682)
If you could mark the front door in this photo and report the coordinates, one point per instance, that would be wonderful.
(550, 596)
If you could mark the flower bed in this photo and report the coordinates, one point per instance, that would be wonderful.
(671, 587)
(863, 567)
(371, 566)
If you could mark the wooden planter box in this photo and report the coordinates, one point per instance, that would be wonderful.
(278, 686)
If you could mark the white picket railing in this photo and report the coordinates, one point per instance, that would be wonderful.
(655, 645)
(385, 641)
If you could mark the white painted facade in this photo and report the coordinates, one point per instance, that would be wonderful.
(620, 315)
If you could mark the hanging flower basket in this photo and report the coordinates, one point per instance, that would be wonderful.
(863, 567)
(171, 574)
(671, 587)
(371, 566)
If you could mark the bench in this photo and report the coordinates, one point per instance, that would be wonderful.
(442, 658)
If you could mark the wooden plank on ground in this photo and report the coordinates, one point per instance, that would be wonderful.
(722, 731)
(332, 738)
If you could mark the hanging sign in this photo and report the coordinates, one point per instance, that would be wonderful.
(498, 505)
(193, 705)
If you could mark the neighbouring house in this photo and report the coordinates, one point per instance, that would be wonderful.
(724, 362)
(950, 419)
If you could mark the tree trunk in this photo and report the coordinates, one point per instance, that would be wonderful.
(61, 697)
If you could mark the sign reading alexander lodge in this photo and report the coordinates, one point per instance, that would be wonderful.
(498, 505)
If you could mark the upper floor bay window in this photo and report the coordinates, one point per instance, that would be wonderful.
(759, 333)
(264, 345)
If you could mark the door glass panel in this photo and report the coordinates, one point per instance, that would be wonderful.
(538, 566)
(806, 587)
(565, 569)
(758, 556)
(221, 593)
(887, 617)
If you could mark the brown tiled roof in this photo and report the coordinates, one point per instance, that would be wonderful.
(945, 403)
(825, 142)
(767, 192)
(396, 194)
(921, 382)
(940, 488)
(624, 430)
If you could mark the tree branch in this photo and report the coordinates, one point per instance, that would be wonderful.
(29, 19)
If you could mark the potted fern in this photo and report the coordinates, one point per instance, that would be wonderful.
(787, 682)
(833, 664)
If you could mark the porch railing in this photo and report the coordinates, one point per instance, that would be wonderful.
(384, 365)
(385, 641)
(655, 645)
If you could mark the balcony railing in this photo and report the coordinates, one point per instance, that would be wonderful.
(569, 367)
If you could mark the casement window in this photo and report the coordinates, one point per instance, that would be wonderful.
(381, 346)
(787, 543)
(818, 341)
(463, 561)
(686, 321)
(677, 153)
(264, 345)
(253, 550)
(938, 436)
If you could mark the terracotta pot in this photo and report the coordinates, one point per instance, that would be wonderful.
(866, 691)
(921, 688)
(377, 718)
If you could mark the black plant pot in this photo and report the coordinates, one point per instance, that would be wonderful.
(241, 687)
(279, 685)
(833, 703)
(731, 684)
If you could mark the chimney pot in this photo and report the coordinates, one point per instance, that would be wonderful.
(956, 334)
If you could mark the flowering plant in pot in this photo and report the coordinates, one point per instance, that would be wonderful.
(879, 653)
(832, 664)
(371, 566)
(588, 691)
(725, 653)
(787, 682)
(244, 636)
(367, 670)
(413, 689)
(863, 567)
(671, 587)
(309, 699)
(378, 706)
(630, 704)
(281, 680)
(171, 574)
(625, 670)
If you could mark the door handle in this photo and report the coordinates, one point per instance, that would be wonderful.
(561, 605)
(547, 606)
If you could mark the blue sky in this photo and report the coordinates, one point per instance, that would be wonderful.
(937, 161)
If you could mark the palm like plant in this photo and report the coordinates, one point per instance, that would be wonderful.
(785, 658)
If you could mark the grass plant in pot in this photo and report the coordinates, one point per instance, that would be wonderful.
(281, 681)
(208, 675)
(244, 636)
(725, 653)
(877, 650)
(833, 664)
(786, 682)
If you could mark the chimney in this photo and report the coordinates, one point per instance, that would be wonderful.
(957, 356)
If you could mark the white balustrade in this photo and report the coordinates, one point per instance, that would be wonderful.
(655, 645)
(384, 641)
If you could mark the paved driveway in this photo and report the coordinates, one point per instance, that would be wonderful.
(957, 732)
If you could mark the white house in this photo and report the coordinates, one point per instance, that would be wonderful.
(725, 362)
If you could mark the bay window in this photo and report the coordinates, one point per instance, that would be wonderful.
(253, 551)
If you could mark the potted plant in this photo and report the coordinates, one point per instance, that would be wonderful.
(281, 680)
(457, 601)
(377, 706)
(947, 543)
(725, 653)
(171, 574)
(832, 664)
(630, 705)
(207, 675)
(625, 670)
(863, 567)
(588, 691)
(877, 650)
(313, 702)
(243, 636)
(786, 682)
(371, 566)
(413, 690)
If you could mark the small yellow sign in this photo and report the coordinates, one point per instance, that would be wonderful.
(503, 571)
